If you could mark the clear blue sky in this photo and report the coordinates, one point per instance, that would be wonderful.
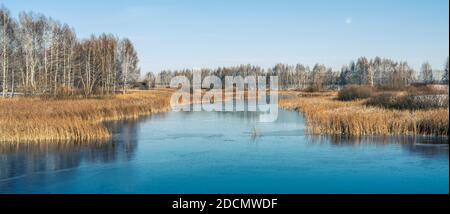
(174, 34)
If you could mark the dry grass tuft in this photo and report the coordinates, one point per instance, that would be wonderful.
(36, 120)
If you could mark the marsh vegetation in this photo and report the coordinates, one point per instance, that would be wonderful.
(368, 116)
(80, 120)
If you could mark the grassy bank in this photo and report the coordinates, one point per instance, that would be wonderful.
(35, 120)
(326, 115)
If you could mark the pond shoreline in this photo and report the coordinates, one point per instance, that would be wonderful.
(37, 120)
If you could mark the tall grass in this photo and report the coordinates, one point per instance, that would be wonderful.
(326, 115)
(35, 120)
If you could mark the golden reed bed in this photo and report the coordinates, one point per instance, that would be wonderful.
(325, 115)
(36, 120)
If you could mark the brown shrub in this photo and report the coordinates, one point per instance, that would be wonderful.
(417, 90)
(354, 92)
(313, 89)
(409, 102)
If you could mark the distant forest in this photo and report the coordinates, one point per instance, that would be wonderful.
(377, 72)
(40, 56)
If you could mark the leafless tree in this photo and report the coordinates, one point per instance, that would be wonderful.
(7, 39)
(426, 73)
(445, 76)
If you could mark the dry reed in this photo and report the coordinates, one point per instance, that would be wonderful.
(36, 120)
(326, 115)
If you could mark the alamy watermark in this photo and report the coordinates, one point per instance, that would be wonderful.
(212, 95)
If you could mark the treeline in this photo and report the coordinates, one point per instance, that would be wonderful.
(40, 56)
(377, 72)
(289, 76)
